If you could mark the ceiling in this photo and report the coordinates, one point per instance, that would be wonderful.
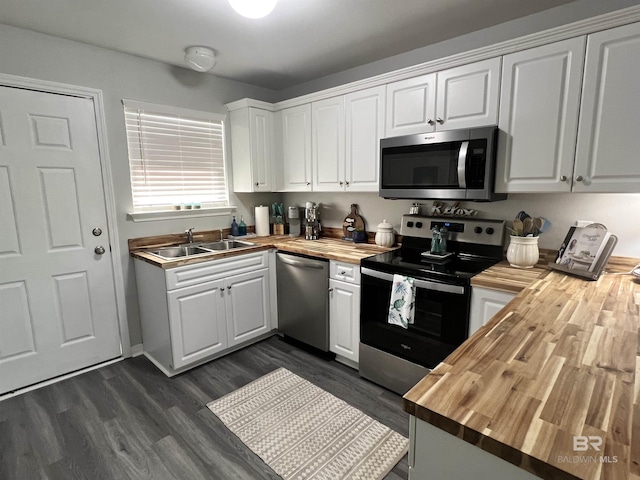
(299, 41)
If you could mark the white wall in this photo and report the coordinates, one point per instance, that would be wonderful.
(28, 54)
(616, 211)
(554, 17)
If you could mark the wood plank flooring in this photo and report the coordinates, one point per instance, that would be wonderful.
(128, 421)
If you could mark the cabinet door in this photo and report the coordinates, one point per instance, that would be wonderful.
(261, 135)
(467, 96)
(538, 117)
(608, 139)
(364, 112)
(344, 319)
(296, 148)
(485, 303)
(327, 139)
(411, 106)
(197, 322)
(247, 306)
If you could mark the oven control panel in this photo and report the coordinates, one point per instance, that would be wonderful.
(470, 230)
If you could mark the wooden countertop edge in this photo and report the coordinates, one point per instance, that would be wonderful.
(501, 450)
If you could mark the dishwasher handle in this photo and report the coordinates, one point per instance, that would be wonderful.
(300, 262)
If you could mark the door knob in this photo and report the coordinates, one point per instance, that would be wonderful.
(430, 122)
(96, 232)
(563, 178)
(99, 250)
(579, 178)
(439, 120)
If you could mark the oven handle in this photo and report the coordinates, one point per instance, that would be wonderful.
(462, 165)
(426, 284)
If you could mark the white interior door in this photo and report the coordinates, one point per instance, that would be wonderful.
(57, 298)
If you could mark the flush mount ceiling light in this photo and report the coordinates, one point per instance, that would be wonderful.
(253, 8)
(201, 59)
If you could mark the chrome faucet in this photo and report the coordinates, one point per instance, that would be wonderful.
(221, 233)
(189, 233)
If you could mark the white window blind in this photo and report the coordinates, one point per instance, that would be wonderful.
(176, 157)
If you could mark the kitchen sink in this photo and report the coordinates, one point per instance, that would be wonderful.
(171, 253)
(226, 245)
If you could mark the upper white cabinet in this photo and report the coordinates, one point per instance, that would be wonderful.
(467, 96)
(294, 131)
(327, 140)
(252, 149)
(411, 106)
(608, 134)
(345, 140)
(461, 97)
(364, 112)
(539, 105)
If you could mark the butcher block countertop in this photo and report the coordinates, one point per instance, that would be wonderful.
(331, 248)
(560, 360)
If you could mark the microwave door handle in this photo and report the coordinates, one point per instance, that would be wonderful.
(462, 165)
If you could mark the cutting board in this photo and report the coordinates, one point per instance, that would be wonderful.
(352, 222)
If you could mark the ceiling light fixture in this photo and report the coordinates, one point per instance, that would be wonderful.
(253, 8)
(201, 59)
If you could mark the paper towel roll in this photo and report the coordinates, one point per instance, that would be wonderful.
(262, 221)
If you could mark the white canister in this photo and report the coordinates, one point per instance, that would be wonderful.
(523, 252)
(384, 234)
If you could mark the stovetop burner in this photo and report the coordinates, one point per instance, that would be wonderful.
(475, 245)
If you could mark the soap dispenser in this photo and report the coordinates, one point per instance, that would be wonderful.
(242, 229)
(235, 229)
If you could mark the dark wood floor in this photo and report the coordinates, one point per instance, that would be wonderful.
(129, 421)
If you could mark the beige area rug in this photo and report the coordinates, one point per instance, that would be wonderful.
(303, 432)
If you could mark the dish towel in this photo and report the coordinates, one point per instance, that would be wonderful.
(402, 305)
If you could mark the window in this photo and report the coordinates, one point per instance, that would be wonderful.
(176, 157)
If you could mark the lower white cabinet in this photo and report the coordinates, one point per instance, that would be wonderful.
(225, 304)
(344, 312)
(485, 303)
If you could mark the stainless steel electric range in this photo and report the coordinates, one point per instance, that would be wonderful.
(395, 357)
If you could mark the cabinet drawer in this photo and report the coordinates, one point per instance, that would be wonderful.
(219, 268)
(346, 272)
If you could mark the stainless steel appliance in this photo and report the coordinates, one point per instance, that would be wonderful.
(312, 221)
(303, 299)
(294, 221)
(398, 358)
(455, 164)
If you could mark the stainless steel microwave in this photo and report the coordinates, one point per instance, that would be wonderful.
(449, 165)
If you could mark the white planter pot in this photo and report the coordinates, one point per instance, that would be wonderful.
(523, 252)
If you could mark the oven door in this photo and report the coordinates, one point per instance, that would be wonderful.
(441, 319)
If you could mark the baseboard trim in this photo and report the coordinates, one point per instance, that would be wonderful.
(137, 350)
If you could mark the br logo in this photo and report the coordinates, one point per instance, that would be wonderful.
(582, 443)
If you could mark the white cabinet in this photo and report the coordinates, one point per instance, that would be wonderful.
(461, 97)
(467, 96)
(411, 106)
(327, 139)
(346, 134)
(608, 139)
(344, 312)
(247, 306)
(294, 132)
(539, 105)
(485, 303)
(252, 146)
(197, 322)
(194, 313)
(364, 112)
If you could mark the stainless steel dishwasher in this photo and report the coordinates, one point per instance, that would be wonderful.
(303, 299)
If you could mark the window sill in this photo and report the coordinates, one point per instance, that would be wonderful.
(173, 214)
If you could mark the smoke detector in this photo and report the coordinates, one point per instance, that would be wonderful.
(200, 59)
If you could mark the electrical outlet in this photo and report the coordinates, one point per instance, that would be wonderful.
(583, 223)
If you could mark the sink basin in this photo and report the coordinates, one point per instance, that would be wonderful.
(226, 245)
(169, 253)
